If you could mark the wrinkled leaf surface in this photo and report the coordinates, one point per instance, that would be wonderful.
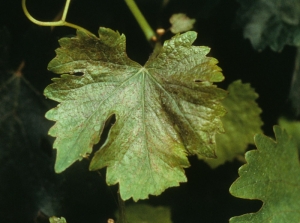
(164, 110)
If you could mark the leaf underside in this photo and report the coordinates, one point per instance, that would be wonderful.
(164, 110)
(272, 174)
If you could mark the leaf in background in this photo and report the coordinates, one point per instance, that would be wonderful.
(144, 213)
(272, 174)
(181, 23)
(273, 23)
(57, 220)
(21, 110)
(294, 94)
(25, 174)
(292, 128)
(241, 123)
(164, 110)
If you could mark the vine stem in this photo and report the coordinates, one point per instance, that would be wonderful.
(61, 22)
(148, 31)
(122, 217)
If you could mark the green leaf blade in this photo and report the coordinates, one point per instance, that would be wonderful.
(241, 122)
(188, 83)
(272, 175)
(134, 151)
(181, 23)
(162, 114)
(81, 94)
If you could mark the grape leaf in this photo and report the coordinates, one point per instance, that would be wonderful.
(164, 110)
(181, 23)
(147, 214)
(292, 128)
(241, 123)
(273, 23)
(272, 174)
(24, 157)
(22, 109)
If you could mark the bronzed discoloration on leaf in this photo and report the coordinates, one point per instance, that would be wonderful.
(164, 110)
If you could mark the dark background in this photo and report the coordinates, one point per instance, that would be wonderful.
(28, 183)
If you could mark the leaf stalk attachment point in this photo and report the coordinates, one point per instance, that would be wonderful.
(148, 31)
(61, 22)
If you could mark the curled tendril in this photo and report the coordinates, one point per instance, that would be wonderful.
(61, 22)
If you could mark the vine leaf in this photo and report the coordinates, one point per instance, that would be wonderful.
(164, 110)
(241, 122)
(22, 109)
(272, 174)
(292, 127)
(273, 23)
(24, 158)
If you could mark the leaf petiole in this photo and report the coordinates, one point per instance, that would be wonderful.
(148, 31)
(61, 22)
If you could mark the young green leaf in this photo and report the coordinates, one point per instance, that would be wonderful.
(164, 110)
(181, 23)
(272, 174)
(241, 123)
